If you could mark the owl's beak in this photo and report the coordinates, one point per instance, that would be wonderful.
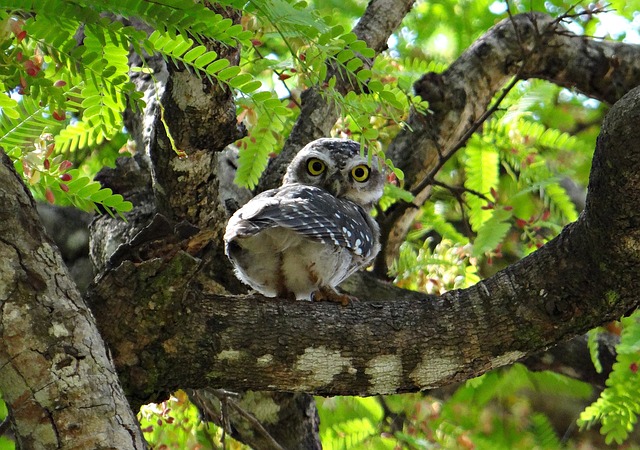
(334, 185)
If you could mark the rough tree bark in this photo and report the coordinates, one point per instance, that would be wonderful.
(55, 375)
(163, 299)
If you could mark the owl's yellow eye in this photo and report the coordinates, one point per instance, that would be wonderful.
(315, 167)
(360, 173)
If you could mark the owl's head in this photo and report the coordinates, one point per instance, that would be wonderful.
(337, 166)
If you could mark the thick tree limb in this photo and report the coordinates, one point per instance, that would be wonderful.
(572, 358)
(394, 340)
(55, 375)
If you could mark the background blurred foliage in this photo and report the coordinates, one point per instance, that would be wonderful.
(530, 163)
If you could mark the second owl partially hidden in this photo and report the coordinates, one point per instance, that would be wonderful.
(302, 239)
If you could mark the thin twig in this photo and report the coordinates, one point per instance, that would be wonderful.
(587, 12)
(227, 401)
(5, 425)
(457, 195)
(457, 191)
(515, 28)
(258, 426)
(428, 180)
(224, 396)
(209, 415)
(279, 74)
(224, 418)
(396, 421)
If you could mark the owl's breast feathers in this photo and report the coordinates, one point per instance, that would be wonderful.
(313, 213)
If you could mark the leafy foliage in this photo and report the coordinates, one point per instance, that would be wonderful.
(593, 348)
(618, 407)
(175, 423)
(316, 51)
(352, 423)
(473, 412)
(5, 442)
(482, 172)
(509, 162)
(437, 270)
(77, 90)
(51, 178)
(85, 85)
(264, 136)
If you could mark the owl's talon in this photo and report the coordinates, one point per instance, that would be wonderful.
(329, 295)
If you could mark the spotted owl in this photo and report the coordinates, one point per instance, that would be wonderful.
(302, 239)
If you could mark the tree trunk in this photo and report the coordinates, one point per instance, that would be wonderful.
(55, 376)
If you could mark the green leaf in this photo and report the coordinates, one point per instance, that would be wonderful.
(217, 66)
(482, 171)
(398, 173)
(88, 190)
(592, 342)
(375, 86)
(262, 96)
(238, 80)
(349, 38)
(491, 232)
(113, 200)
(370, 134)
(205, 59)
(227, 73)
(178, 46)
(101, 195)
(390, 98)
(9, 106)
(195, 53)
(345, 55)
(251, 86)
(393, 193)
(364, 75)
(354, 64)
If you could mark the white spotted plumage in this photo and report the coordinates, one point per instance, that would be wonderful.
(315, 230)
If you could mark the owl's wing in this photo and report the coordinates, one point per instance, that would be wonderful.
(312, 212)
